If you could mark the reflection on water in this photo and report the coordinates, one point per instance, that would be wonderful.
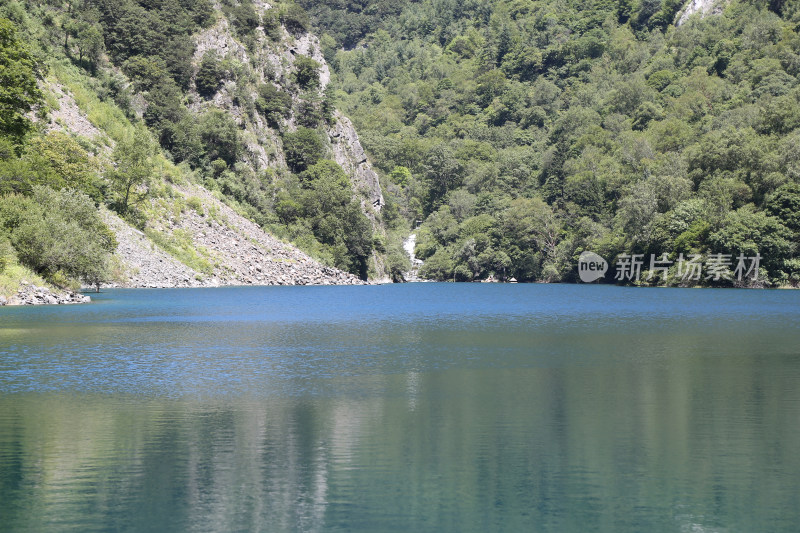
(427, 408)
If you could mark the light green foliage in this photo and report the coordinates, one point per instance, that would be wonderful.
(59, 161)
(400, 176)
(397, 260)
(194, 203)
(7, 252)
(135, 168)
(179, 245)
(59, 235)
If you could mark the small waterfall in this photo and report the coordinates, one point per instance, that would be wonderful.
(408, 246)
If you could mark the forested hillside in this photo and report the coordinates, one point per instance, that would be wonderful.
(126, 105)
(510, 136)
(523, 132)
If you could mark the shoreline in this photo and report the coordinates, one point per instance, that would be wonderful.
(31, 294)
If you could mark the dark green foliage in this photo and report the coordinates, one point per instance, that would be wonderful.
(311, 111)
(273, 103)
(294, 18)
(784, 204)
(145, 71)
(350, 20)
(306, 73)
(219, 135)
(18, 89)
(242, 16)
(302, 148)
(272, 25)
(335, 217)
(210, 75)
(165, 106)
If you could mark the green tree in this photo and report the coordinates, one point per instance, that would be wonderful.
(294, 18)
(439, 266)
(219, 135)
(59, 161)
(273, 103)
(210, 75)
(749, 232)
(7, 252)
(135, 166)
(336, 218)
(90, 45)
(302, 148)
(306, 73)
(784, 204)
(19, 92)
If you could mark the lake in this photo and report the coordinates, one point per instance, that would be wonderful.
(418, 407)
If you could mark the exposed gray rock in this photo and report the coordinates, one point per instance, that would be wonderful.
(704, 7)
(29, 294)
(350, 155)
(239, 250)
(68, 116)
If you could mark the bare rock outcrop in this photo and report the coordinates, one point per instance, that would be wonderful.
(29, 294)
(350, 155)
(704, 7)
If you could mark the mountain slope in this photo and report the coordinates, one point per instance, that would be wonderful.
(196, 213)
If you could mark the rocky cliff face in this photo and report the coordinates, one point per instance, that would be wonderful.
(273, 62)
(348, 152)
(703, 7)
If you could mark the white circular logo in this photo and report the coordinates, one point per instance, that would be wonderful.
(591, 267)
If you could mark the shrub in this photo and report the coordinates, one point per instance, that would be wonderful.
(295, 18)
(195, 203)
(306, 72)
(210, 75)
(302, 148)
(220, 135)
(58, 234)
(272, 103)
(7, 253)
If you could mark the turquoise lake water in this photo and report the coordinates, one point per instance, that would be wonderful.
(419, 407)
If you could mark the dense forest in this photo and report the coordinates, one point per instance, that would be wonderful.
(510, 135)
(521, 133)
